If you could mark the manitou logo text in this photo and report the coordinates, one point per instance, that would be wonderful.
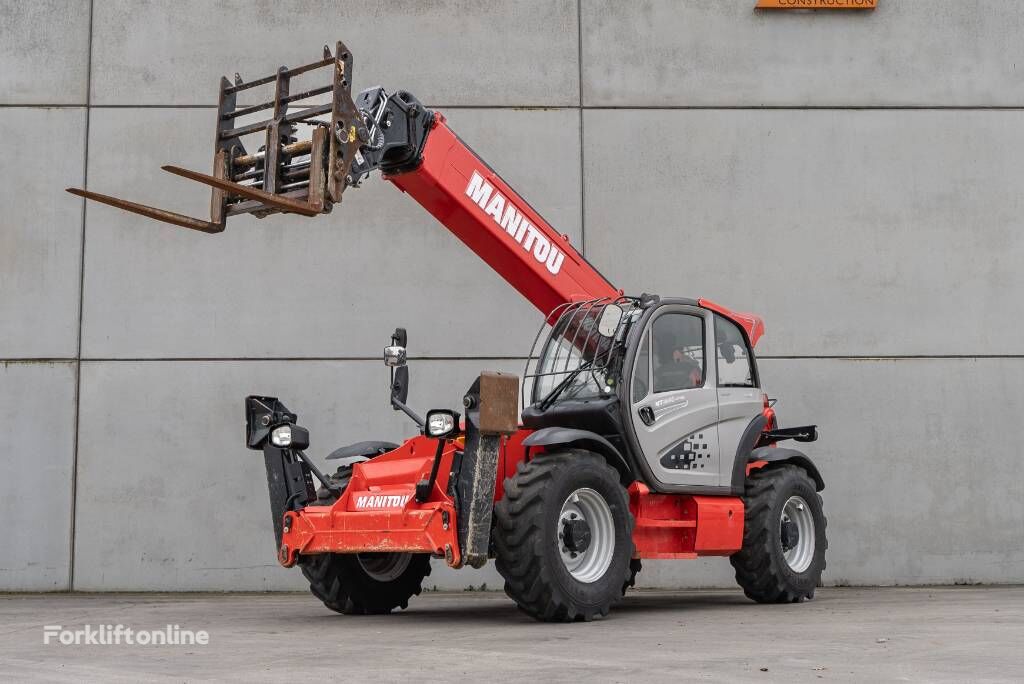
(382, 500)
(515, 224)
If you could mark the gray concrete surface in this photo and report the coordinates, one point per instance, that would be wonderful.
(851, 635)
(44, 53)
(455, 52)
(41, 240)
(907, 53)
(37, 402)
(870, 213)
(852, 232)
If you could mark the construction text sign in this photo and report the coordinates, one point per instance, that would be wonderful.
(817, 4)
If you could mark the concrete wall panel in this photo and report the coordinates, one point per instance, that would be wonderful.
(919, 462)
(851, 232)
(37, 421)
(44, 53)
(449, 52)
(168, 495)
(724, 53)
(40, 231)
(345, 280)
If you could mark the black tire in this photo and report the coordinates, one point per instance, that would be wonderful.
(526, 537)
(342, 582)
(634, 569)
(761, 568)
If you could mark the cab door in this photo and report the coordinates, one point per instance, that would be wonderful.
(674, 397)
(740, 399)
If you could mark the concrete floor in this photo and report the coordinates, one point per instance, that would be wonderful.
(951, 634)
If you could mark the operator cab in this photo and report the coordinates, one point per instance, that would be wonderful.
(673, 385)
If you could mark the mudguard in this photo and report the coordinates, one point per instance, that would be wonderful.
(368, 449)
(782, 455)
(585, 439)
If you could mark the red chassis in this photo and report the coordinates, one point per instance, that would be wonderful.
(378, 512)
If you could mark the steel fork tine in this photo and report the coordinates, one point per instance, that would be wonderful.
(151, 212)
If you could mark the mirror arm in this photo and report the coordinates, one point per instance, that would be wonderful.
(399, 406)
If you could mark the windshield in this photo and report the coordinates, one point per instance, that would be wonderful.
(559, 354)
(574, 360)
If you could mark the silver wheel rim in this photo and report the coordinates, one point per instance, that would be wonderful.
(799, 555)
(590, 564)
(384, 567)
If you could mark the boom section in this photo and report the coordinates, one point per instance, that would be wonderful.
(476, 204)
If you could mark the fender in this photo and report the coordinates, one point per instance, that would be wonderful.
(751, 434)
(559, 436)
(774, 455)
(362, 449)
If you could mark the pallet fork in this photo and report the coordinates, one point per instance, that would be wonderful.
(288, 173)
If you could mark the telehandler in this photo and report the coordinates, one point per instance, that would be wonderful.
(641, 429)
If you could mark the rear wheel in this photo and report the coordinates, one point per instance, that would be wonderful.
(563, 537)
(366, 583)
(784, 541)
(362, 583)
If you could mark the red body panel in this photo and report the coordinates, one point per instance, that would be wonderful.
(751, 323)
(378, 511)
(683, 526)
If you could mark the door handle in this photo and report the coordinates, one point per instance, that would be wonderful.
(647, 415)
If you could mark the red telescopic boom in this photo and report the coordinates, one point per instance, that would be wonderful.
(479, 207)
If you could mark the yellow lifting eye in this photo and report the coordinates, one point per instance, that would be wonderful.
(352, 134)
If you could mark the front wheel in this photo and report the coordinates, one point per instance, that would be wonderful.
(563, 537)
(784, 541)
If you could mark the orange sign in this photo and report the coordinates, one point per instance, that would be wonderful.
(817, 4)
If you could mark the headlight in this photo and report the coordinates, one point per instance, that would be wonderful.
(282, 436)
(441, 423)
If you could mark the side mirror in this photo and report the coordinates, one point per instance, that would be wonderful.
(609, 321)
(400, 338)
(400, 384)
(441, 423)
(394, 356)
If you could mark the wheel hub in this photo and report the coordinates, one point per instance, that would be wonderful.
(576, 535)
(586, 535)
(384, 567)
(796, 534)
(790, 534)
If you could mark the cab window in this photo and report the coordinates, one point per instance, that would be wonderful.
(678, 352)
(732, 355)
